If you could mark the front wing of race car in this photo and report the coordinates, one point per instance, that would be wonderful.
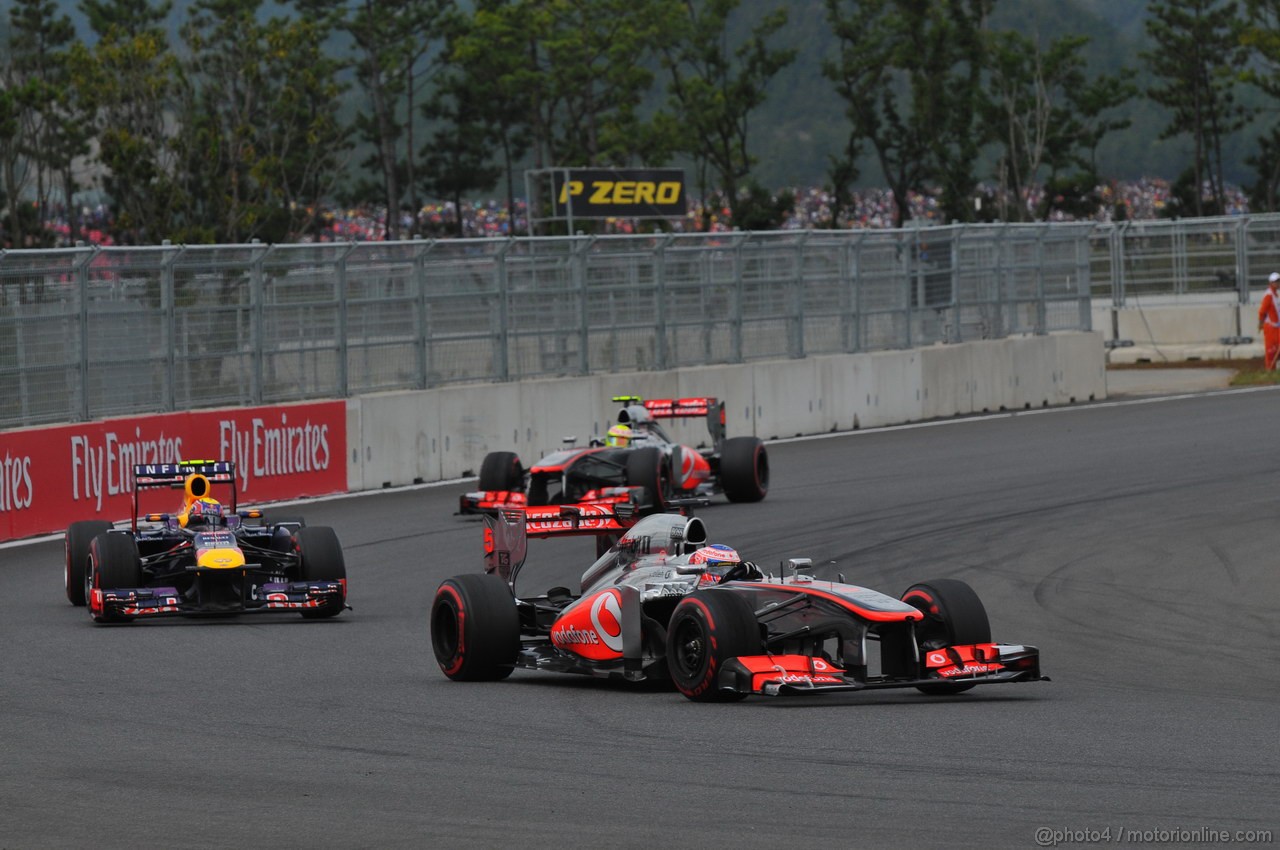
(147, 602)
(952, 666)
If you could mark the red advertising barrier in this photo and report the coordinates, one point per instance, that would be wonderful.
(50, 477)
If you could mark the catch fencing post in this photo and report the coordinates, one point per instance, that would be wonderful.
(168, 307)
(796, 346)
(420, 314)
(502, 340)
(341, 276)
(578, 270)
(82, 285)
(660, 279)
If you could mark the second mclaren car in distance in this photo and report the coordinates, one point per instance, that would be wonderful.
(636, 463)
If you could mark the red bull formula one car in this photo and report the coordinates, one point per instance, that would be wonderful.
(662, 603)
(205, 558)
(637, 464)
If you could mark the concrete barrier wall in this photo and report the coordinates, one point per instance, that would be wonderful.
(412, 437)
(1179, 331)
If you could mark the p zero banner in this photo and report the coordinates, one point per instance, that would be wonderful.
(619, 193)
(54, 476)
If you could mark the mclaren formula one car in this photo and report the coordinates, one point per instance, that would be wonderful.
(204, 559)
(637, 464)
(662, 603)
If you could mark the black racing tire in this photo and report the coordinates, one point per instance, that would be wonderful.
(953, 614)
(706, 630)
(113, 564)
(744, 469)
(649, 469)
(76, 545)
(320, 558)
(475, 628)
(501, 471)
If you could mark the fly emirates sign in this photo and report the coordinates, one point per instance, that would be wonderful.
(54, 476)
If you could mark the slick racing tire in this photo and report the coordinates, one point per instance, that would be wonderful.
(501, 471)
(320, 558)
(76, 543)
(706, 630)
(953, 614)
(475, 628)
(113, 563)
(744, 469)
(647, 468)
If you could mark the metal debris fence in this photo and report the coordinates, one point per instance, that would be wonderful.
(87, 333)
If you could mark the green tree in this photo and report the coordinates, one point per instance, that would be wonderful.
(909, 74)
(486, 50)
(15, 100)
(1261, 36)
(129, 82)
(393, 53)
(48, 135)
(714, 88)
(259, 140)
(1050, 119)
(459, 157)
(126, 18)
(1198, 45)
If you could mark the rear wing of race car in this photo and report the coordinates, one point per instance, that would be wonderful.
(683, 408)
(507, 531)
(175, 475)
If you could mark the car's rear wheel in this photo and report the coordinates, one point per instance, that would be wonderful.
(744, 469)
(648, 468)
(475, 628)
(113, 564)
(320, 558)
(501, 471)
(706, 630)
(953, 615)
(76, 545)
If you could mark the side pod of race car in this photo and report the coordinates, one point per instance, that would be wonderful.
(662, 603)
(636, 464)
(203, 559)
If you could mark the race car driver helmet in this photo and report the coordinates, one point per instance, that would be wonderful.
(618, 437)
(204, 511)
(718, 558)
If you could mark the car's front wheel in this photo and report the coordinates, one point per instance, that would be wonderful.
(744, 469)
(113, 564)
(953, 615)
(320, 558)
(649, 469)
(501, 471)
(706, 630)
(76, 545)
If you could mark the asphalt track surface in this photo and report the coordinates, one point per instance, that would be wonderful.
(1137, 545)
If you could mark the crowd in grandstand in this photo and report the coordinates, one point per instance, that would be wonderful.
(872, 208)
